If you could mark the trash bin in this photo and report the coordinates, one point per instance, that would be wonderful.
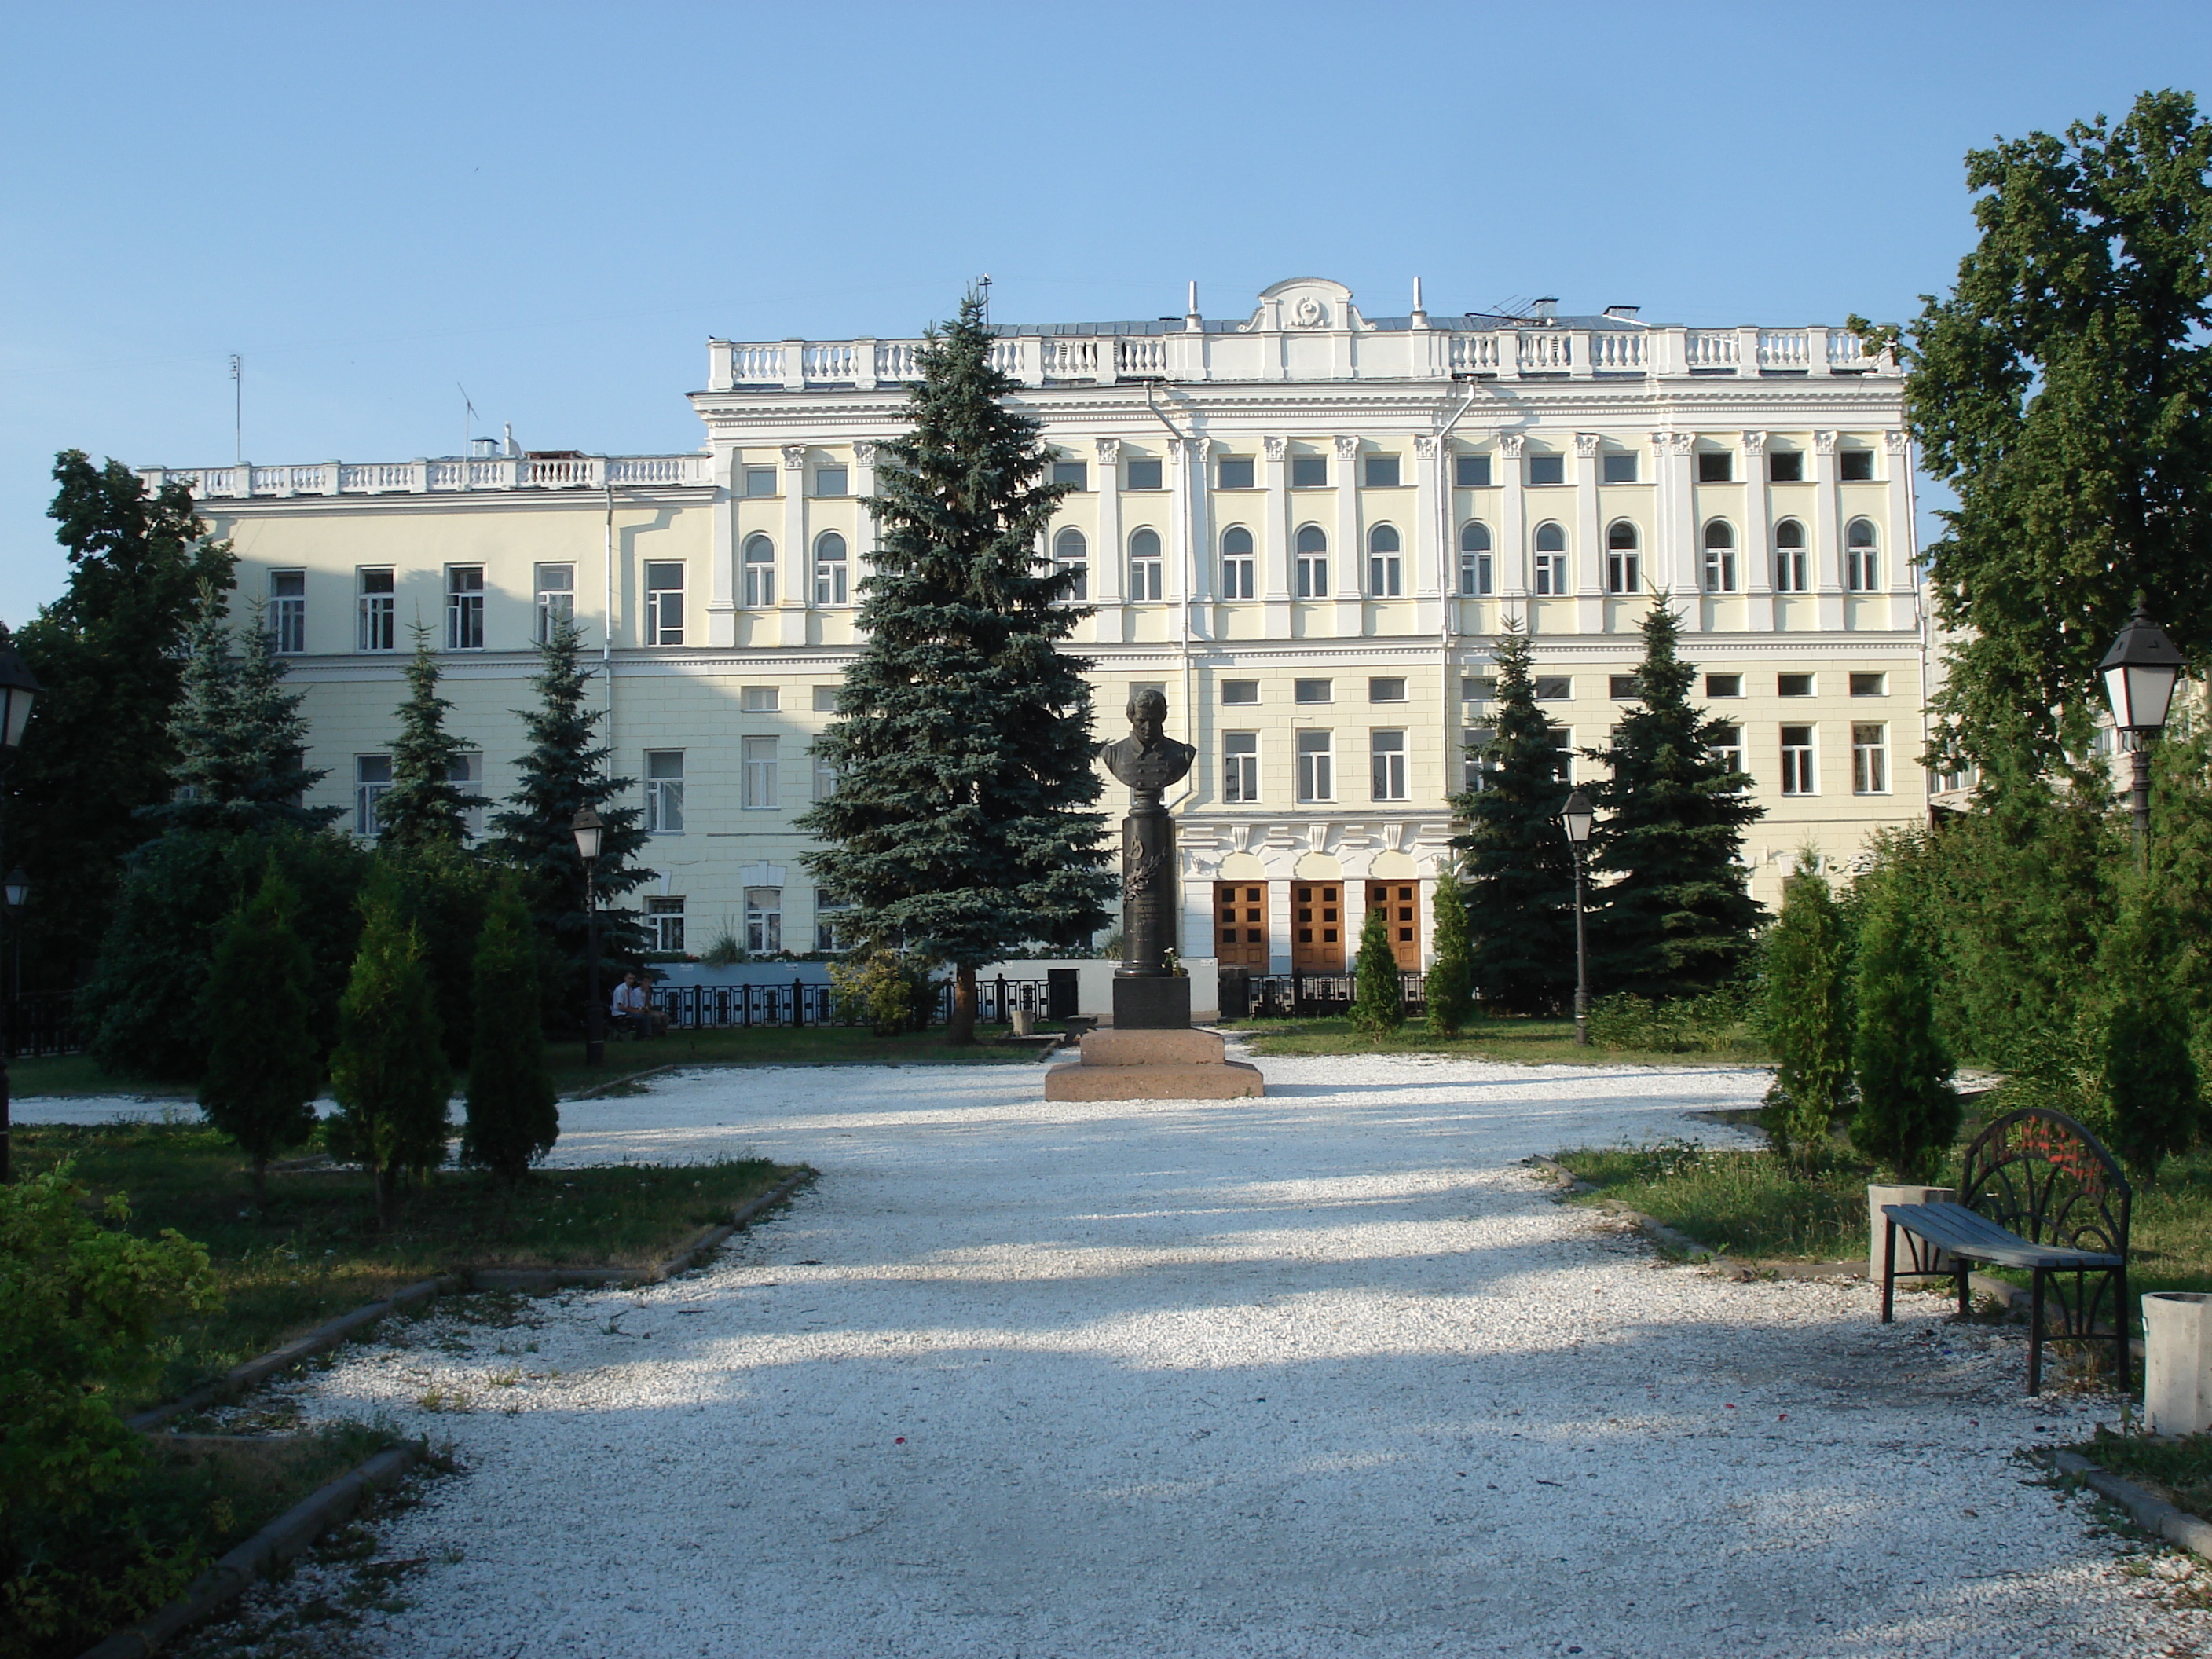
(2178, 1361)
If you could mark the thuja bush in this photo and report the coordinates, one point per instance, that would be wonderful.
(1805, 1014)
(1378, 1001)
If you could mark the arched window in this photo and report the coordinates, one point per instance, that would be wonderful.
(1720, 557)
(1790, 557)
(1146, 568)
(830, 568)
(760, 571)
(1071, 555)
(1384, 568)
(1474, 575)
(1861, 557)
(1312, 545)
(1550, 559)
(1622, 571)
(1237, 563)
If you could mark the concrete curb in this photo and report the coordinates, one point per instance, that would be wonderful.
(703, 1245)
(274, 1545)
(614, 1083)
(2152, 1514)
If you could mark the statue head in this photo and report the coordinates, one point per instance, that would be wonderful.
(1148, 713)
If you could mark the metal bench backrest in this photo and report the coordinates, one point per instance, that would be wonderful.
(2040, 1174)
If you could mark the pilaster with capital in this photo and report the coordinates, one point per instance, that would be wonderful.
(1109, 565)
(1275, 536)
(1512, 545)
(797, 587)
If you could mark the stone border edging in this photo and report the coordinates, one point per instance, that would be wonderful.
(2152, 1513)
(275, 1544)
(325, 1337)
(612, 1083)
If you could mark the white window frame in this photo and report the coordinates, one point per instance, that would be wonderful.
(1239, 563)
(1800, 771)
(555, 597)
(830, 566)
(1474, 742)
(1728, 749)
(1316, 764)
(758, 558)
(1385, 562)
(465, 607)
(376, 606)
(1476, 579)
(664, 920)
(1624, 560)
(1720, 557)
(832, 479)
(288, 612)
(1869, 757)
(1562, 745)
(1790, 560)
(1147, 566)
(1386, 753)
(664, 604)
(755, 476)
(760, 699)
(1071, 553)
(1311, 547)
(467, 775)
(663, 792)
(824, 776)
(1548, 577)
(761, 762)
(763, 920)
(1240, 768)
(367, 790)
(1862, 559)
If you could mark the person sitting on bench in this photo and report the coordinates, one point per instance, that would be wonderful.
(631, 1011)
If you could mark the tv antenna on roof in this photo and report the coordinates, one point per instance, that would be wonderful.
(984, 288)
(237, 408)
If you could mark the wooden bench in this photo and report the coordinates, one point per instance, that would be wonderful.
(2039, 1193)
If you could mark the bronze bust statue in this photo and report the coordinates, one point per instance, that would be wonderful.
(1147, 760)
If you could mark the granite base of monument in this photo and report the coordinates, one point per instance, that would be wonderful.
(1153, 1064)
(1156, 1003)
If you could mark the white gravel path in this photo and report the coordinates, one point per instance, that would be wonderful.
(1323, 1373)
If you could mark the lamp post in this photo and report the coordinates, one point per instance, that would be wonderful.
(2140, 672)
(588, 829)
(19, 689)
(1577, 818)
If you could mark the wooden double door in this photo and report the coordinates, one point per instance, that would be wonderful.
(1317, 927)
(1400, 902)
(1240, 924)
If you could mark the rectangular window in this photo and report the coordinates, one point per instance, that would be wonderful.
(663, 792)
(759, 562)
(1240, 569)
(1869, 685)
(664, 604)
(465, 606)
(1240, 768)
(1471, 471)
(664, 926)
(1474, 758)
(1551, 573)
(1623, 571)
(759, 774)
(1313, 574)
(825, 699)
(1797, 778)
(1385, 573)
(1720, 567)
(372, 782)
(1785, 466)
(1477, 687)
(556, 597)
(288, 612)
(1618, 468)
(760, 481)
(830, 481)
(1547, 469)
(1240, 690)
(1621, 688)
(375, 590)
(1555, 688)
(825, 778)
(1309, 471)
(1382, 472)
(467, 775)
(763, 920)
(1715, 466)
(1147, 568)
(1317, 766)
(1312, 691)
(1723, 685)
(1144, 474)
(1390, 689)
(1728, 746)
(1386, 752)
(1793, 685)
(1855, 465)
(826, 941)
(1076, 475)
(829, 569)
(1870, 759)
(760, 699)
(1563, 753)
(1233, 472)
(1474, 568)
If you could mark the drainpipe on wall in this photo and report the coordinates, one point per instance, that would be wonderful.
(1448, 587)
(1187, 509)
(607, 602)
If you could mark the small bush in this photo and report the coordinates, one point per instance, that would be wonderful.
(1713, 1022)
(1378, 1003)
(886, 990)
(1452, 973)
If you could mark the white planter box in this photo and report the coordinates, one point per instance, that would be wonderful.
(2178, 1361)
(1914, 1256)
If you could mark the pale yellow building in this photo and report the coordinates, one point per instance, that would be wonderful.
(1307, 524)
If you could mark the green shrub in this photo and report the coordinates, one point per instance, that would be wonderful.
(886, 990)
(2148, 1079)
(513, 1111)
(264, 1065)
(1451, 981)
(389, 1072)
(1908, 1113)
(1711, 1023)
(1806, 1017)
(1378, 1000)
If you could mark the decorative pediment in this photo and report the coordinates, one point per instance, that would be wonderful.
(1307, 305)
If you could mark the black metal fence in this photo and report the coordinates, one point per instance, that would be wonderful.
(693, 1007)
(1318, 996)
(41, 1023)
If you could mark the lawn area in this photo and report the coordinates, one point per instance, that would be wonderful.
(314, 1253)
(1508, 1039)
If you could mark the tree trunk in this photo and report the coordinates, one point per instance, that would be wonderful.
(260, 1182)
(960, 1030)
(387, 1197)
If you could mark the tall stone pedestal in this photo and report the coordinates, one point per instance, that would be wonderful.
(1153, 1064)
(1154, 1003)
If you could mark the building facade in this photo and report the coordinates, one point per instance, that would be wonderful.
(1307, 526)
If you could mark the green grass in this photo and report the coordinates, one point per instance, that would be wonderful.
(314, 1253)
(2179, 1470)
(1739, 1203)
(1506, 1038)
(81, 1074)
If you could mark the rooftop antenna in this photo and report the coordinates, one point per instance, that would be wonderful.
(983, 286)
(237, 408)
(468, 418)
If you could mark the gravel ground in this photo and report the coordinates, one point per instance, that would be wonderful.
(1322, 1373)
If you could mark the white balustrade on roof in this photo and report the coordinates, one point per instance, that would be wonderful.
(447, 472)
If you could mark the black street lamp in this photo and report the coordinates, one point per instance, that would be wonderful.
(19, 689)
(1577, 818)
(589, 829)
(2140, 671)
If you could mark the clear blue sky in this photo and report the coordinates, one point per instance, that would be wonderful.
(554, 206)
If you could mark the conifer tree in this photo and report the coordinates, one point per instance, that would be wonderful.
(1908, 1113)
(264, 1063)
(1520, 875)
(1676, 919)
(1378, 998)
(2150, 1084)
(389, 1072)
(959, 829)
(1451, 970)
(98, 747)
(1806, 1017)
(513, 1114)
(424, 807)
(535, 835)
